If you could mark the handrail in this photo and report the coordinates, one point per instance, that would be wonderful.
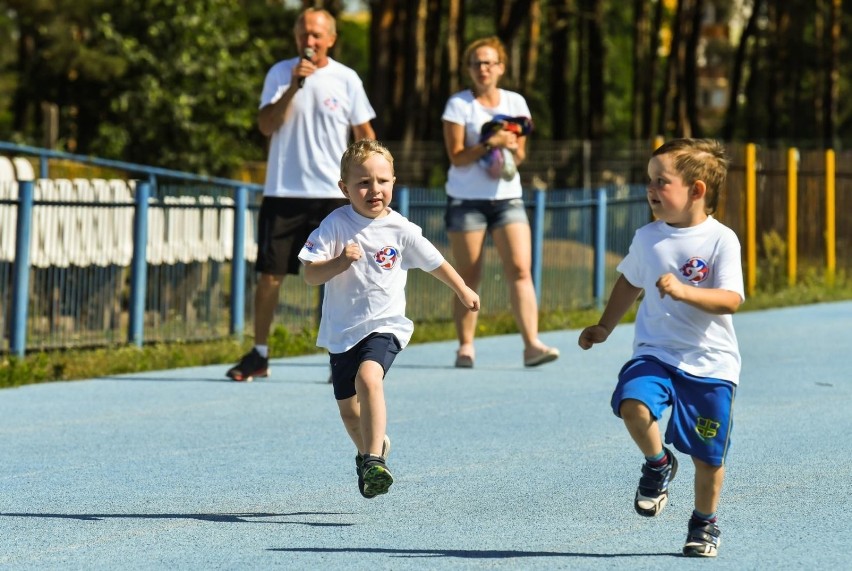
(121, 165)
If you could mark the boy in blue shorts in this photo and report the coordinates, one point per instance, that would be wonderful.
(362, 253)
(685, 352)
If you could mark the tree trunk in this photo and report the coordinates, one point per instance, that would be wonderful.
(560, 67)
(597, 59)
(737, 73)
(650, 85)
(640, 65)
(832, 75)
(690, 83)
(381, 81)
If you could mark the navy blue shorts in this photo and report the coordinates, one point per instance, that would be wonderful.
(472, 215)
(701, 419)
(379, 347)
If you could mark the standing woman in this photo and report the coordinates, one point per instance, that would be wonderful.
(482, 198)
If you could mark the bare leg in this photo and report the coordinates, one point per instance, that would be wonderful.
(708, 486)
(643, 428)
(369, 383)
(467, 255)
(265, 303)
(513, 243)
(350, 413)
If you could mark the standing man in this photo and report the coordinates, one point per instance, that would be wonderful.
(308, 106)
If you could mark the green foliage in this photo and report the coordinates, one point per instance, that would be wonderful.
(187, 90)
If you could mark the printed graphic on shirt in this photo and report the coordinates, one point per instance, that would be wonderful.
(309, 246)
(695, 270)
(706, 428)
(386, 257)
(332, 103)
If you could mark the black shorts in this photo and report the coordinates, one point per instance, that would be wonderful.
(283, 227)
(379, 347)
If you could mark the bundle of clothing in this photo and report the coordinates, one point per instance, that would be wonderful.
(498, 163)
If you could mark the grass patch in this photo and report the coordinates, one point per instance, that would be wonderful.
(86, 364)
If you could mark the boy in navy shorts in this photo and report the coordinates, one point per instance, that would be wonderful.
(685, 352)
(362, 253)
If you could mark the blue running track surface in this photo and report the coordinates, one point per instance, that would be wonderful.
(496, 467)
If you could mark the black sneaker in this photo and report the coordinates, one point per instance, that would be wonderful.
(250, 366)
(359, 461)
(377, 478)
(702, 539)
(652, 495)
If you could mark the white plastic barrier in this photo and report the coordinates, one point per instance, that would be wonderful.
(86, 235)
(23, 169)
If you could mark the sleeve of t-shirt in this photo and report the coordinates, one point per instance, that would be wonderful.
(454, 111)
(631, 266)
(729, 269)
(276, 83)
(362, 111)
(319, 246)
(419, 252)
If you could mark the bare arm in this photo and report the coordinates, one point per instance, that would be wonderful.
(624, 295)
(448, 274)
(715, 301)
(271, 117)
(363, 131)
(318, 273)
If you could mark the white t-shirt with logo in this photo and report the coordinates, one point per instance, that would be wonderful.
(369, 297)
(471, 182)
(703, 256)
(304, 153)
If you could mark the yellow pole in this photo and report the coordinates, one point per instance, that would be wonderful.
(792, 211)
(830, 217)
(751, 218)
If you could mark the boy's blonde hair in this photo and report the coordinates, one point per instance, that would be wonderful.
(360, 151)
(699, 159)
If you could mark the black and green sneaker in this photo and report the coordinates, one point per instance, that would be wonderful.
(359, 461)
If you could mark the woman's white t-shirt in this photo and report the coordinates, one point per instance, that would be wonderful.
(471, 182)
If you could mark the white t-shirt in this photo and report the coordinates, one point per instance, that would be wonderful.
(304, 153)
(705, 256)
(369, 297)
(471, 182)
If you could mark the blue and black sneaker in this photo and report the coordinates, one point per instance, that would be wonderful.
(652, 495)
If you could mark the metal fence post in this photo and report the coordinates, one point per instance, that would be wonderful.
(21, 268)
(600, 248)
(403, 200)
(139, 265)
(538, 240)
(238, 263)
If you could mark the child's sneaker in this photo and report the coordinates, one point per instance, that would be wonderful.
(652, 495)
(702, 539)
(250, 366)
(359, 461)
(377, 478)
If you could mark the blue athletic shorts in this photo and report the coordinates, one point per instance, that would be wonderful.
(379, 347)
(701, 420)
(472, 215)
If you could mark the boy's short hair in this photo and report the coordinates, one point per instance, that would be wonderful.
(699, 159)
(360, 151)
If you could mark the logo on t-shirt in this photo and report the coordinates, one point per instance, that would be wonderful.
(309, 246)
(332, 103)
(695, 270)
(386, 257)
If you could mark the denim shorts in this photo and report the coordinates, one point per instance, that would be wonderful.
(472, 215)
(701, 421)
(379, 347)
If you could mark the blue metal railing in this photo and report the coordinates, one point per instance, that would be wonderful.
(594, 208)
